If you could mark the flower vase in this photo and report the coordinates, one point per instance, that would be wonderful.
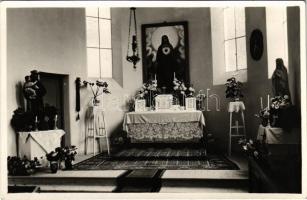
(54, 166)
(96, 102)
(68, 164)
(182, 100)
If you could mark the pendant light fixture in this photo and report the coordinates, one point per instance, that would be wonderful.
(134, 57)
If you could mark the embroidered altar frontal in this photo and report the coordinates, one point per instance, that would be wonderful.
(164, 126)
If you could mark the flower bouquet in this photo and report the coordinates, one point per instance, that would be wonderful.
(233, 89)
(97, 88)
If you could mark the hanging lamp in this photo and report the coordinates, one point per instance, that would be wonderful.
(134, 57)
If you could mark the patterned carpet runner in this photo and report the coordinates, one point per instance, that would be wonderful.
(157, 158)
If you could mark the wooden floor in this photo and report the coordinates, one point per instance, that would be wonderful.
(177, 181)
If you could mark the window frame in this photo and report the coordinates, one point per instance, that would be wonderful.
(99, 47)
(236, 37)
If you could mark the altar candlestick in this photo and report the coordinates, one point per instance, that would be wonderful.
(261, 103)
(268, 102)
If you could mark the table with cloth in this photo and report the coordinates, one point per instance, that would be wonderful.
(164, 126)
(280, 142)
(37, 143)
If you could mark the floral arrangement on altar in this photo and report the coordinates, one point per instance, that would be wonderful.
(179, 86)
(272, 113)
(148, 91)
(97, 88)
(181, 91)
(233, 88)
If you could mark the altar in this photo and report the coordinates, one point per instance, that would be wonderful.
(164, 126)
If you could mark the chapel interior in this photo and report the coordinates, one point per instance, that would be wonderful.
(154, 99)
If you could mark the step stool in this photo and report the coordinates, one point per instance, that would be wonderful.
(237, 107)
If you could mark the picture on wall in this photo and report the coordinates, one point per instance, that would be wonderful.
(165, 52)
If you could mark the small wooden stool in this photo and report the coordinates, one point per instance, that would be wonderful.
(237, 107)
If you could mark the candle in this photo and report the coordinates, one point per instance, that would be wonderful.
(35, 118)
(155, 77)
(268, 102)
(56, 117)
(261, 103)
(174, 75)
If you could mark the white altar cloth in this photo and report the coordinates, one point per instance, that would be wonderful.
(164, 116)
(38, 143)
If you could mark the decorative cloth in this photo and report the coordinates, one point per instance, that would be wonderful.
(164, 126)
(163, 117)
(274, 135)
(96, 113)
(236, 106)
(47, 140)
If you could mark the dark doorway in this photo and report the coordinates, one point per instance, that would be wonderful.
(55, 86)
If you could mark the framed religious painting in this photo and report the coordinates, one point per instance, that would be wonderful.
(165, 53)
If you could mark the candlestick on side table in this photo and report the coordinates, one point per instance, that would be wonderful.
(55, 122)
(36, 123)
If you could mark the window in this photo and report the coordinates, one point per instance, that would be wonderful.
(235, 39)
(228, 44)
(277, 37)
(98, 37)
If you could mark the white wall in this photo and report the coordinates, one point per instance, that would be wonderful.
(53, 40)
(49, 40)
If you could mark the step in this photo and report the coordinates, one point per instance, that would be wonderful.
(107, 181)
(218, 181)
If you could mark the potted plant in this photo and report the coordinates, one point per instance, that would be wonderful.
(22, 167)
(65, 155)
(53, 157)
(69, 156)
(233, 89)
(97, 89)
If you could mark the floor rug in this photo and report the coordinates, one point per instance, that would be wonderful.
(157, 158)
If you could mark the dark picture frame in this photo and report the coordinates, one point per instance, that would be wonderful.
(177, 36)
